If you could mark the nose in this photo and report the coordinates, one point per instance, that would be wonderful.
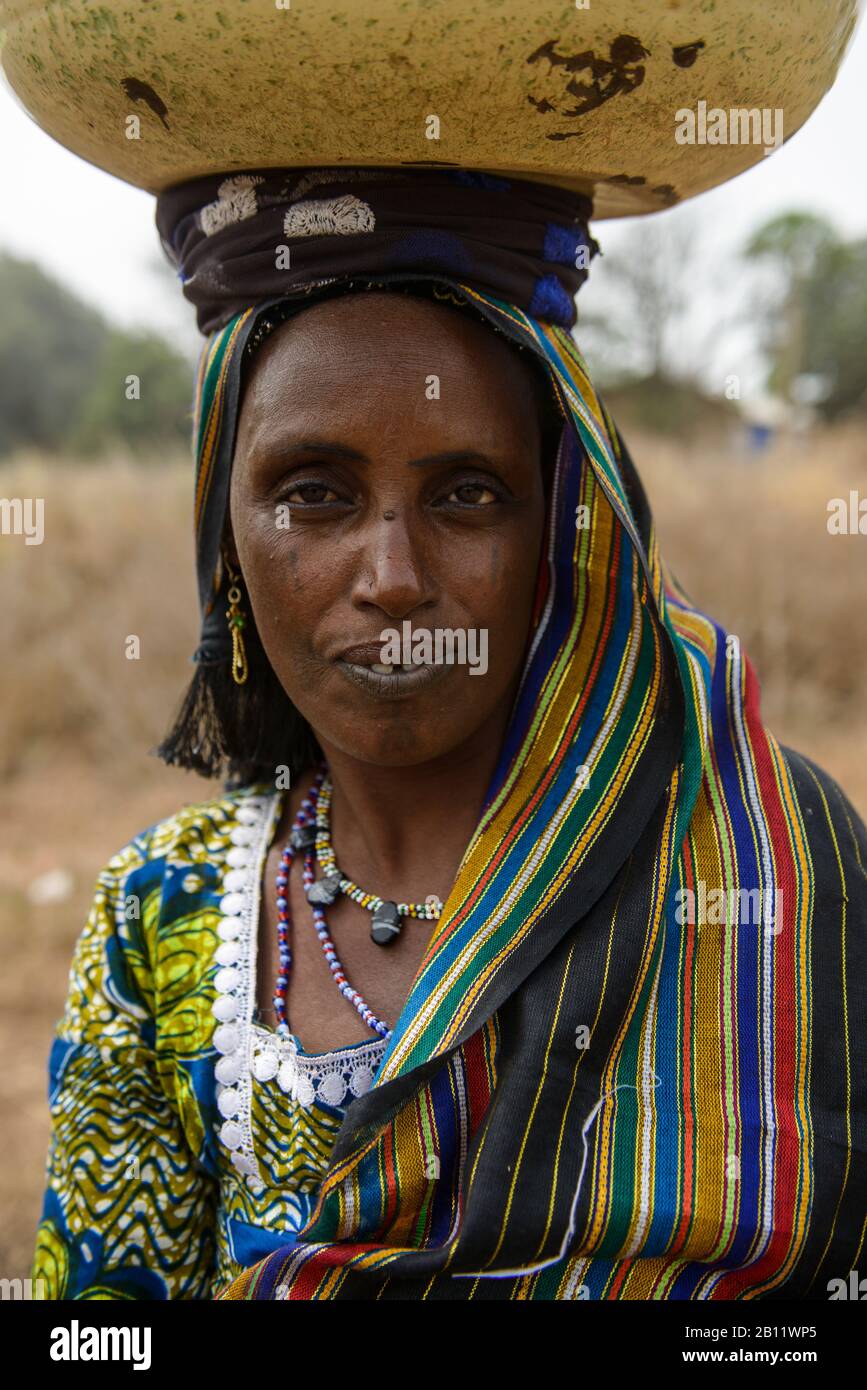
(391, 572)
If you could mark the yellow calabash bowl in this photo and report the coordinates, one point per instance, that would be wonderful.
(160, 91)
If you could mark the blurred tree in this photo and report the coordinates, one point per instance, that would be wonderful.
(813, 318)
(632, 304)
(65, 374)
(140, 395)
(636, 316)
(790, 246)
(49, 344)
(836, 328)
(652, 330)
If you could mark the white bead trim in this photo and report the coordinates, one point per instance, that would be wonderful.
(304, 1076)
(248, 1050)
(235, 958)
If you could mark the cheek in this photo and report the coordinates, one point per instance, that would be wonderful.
(496, 591)
(287, 583)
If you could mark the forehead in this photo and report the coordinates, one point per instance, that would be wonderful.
(382, 352)
(388, 325)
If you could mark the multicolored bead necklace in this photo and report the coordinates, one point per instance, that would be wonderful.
(311, 836)
(387, 916)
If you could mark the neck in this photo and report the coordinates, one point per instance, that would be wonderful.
(403, 831)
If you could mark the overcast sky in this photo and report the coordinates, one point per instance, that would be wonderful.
(98, 235)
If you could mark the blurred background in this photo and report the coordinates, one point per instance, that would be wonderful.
(729, 339)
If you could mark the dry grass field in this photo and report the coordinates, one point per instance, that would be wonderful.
(746, 538)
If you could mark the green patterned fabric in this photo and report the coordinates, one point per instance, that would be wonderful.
(142, 1200)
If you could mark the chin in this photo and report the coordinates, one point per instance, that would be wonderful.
(403, 745)
(387, 730)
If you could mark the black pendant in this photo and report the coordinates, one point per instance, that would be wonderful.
(386, 924)
(303, 837)
(324, 891)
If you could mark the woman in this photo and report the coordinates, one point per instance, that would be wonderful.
(566, 999)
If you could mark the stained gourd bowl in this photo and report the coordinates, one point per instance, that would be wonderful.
(620, 99)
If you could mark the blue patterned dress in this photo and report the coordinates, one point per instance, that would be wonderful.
(188, 1140)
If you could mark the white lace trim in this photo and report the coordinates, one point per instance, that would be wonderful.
(234, 981)
(303, 1076)
(246, 1049)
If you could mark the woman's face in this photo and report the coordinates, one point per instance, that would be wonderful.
(387, 478)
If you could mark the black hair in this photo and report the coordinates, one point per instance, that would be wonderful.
(247, 733)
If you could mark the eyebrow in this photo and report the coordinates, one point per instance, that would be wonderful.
(319, 446)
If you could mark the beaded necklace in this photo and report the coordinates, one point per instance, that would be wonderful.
(310, 836)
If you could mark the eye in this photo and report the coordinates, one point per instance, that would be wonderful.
(473, 494)
(311, 494)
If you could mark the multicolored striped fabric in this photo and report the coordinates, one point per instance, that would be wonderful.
(631, 1062)
(215, 410)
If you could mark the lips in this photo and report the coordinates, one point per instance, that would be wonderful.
(395, 683)
(363, 665)
(368, 654)
(363, 654)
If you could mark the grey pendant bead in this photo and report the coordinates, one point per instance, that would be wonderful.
(303, 837)
(386, 924)
(324, 891)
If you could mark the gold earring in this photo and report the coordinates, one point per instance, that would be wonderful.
(237, 620)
